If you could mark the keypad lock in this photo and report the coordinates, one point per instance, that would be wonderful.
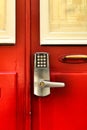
(41, 60)
(42, 82)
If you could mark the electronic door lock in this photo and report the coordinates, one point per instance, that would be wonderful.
(42, 82)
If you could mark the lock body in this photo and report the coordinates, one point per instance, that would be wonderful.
(41, 72)
(42, 83)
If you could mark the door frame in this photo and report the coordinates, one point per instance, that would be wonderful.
(27, 69)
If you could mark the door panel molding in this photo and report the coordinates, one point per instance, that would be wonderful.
(8, 101)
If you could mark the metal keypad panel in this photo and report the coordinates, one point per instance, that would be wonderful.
(41, 60)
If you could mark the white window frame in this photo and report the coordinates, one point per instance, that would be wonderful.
(7, 36)
(51, 38)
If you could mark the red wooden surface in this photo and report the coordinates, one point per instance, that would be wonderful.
(66, 108)
(27, 71)
(15, 101)
(8, 101)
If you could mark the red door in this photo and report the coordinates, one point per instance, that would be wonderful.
(13, 86)
(65, 108)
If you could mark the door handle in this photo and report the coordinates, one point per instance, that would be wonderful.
(74, 59)
(42, 83)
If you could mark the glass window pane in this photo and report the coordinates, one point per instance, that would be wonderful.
(2, 14)
(68, 15)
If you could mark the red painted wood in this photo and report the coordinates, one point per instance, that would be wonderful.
(8, 101)
(65, 108)
(15, 101)
(28, 81)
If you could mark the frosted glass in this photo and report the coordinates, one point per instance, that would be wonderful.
(68, 15)
(2, 14)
